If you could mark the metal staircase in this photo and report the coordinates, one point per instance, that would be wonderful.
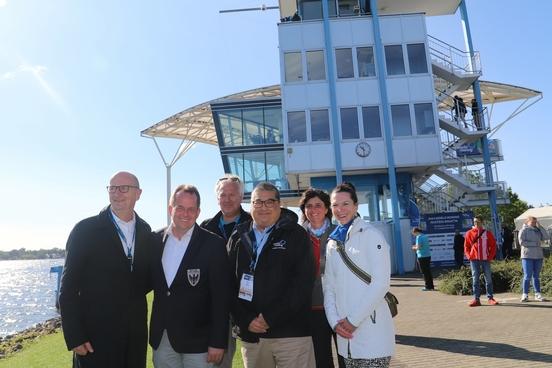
(458, 184)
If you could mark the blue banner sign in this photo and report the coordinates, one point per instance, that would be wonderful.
(440, 229)
(475, 149)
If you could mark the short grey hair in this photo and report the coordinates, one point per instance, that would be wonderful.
(229, 178)
(186, 188)
(265, 186)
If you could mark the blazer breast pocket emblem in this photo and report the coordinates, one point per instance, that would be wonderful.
(193, 276)
(279, 245)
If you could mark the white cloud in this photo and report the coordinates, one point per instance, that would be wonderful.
(37, 72)
(3, 3)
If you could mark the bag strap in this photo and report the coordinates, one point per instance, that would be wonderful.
(479, 236)
(360, 273)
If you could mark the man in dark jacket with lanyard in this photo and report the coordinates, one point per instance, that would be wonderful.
(273, 277)
(229, 191)
(105, 281)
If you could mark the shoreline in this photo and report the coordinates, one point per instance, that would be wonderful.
(13, 343)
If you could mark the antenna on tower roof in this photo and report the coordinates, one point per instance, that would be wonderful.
(262, 8)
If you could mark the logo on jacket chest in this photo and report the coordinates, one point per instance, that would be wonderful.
(281, 245)
(193, 276)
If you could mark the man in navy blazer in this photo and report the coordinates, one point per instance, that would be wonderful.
(105, 280)
(189, 321)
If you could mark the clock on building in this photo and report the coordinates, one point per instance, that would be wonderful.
(363, 149)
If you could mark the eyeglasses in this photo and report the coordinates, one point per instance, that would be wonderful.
(269, 203)
(122, 188)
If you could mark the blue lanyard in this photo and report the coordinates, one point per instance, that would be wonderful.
(128, 247)
(257, 244)
(222, 223)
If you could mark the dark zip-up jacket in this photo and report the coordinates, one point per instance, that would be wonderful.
(212, 224)
(283, 279)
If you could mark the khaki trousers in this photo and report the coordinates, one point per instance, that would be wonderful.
(287, 352)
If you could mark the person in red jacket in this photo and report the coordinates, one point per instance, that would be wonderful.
(480, 250)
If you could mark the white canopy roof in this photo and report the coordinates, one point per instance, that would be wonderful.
(196, 123)
(543, 215)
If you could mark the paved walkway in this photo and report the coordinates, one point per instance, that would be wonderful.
(438, 330)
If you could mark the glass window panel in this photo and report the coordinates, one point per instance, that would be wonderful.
(344, 62)
(293, 67)
(320, 125)
(371, 122)
(365, 61)
(394, 60)
(417, 58)
(231, 127)
(348, 7)
(332, 9)
(311, 9)
(400, 115)
(273, 125)
(297, 127)
(253, 127)
(424, 118)
(235, 163)
(254, 169)
(349, 123)
(276, 173)
(316, 70)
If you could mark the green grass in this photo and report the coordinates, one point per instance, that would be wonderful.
(50, 352)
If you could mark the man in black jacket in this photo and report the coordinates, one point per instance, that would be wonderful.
(105, 281)
(189, 320)
(273, 276)
(229, 191)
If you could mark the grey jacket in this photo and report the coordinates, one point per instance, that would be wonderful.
(530, 240)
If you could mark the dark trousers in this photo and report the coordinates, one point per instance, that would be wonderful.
(322, 335)
(424, 263)
(459, 258)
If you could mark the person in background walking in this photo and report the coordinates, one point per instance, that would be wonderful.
(316, 217)
(530, 238)
(480, 249)
(507, 241)
(458, 248)
(423, 252)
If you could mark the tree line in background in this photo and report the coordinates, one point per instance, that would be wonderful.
(507, 213)
(23, 253)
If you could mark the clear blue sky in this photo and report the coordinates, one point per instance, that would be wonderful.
(79, 80)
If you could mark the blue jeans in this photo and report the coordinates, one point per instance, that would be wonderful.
(476, 271)
(531, 270)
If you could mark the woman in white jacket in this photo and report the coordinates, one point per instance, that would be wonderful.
(356, 310)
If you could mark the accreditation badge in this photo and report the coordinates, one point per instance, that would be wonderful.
(246, 287)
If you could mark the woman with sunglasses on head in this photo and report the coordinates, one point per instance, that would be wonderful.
(316, 219)
(356, 309)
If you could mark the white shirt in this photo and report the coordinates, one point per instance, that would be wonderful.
(128, 229)
(173, 253)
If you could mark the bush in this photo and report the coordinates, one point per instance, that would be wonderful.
(507, 277)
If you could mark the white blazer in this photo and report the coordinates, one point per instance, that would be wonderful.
(347, 296)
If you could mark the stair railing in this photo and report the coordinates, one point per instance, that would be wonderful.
(456, 60)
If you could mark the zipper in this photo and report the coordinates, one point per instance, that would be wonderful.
(349, 349)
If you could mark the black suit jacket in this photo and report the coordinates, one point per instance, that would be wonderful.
(100, 299)
(194, 309)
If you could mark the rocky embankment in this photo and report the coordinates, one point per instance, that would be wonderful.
(13, 343)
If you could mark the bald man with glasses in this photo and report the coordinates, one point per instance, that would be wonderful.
(105, 281)
(273, 276)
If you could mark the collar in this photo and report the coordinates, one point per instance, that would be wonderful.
(187, 234)
(122, 223)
